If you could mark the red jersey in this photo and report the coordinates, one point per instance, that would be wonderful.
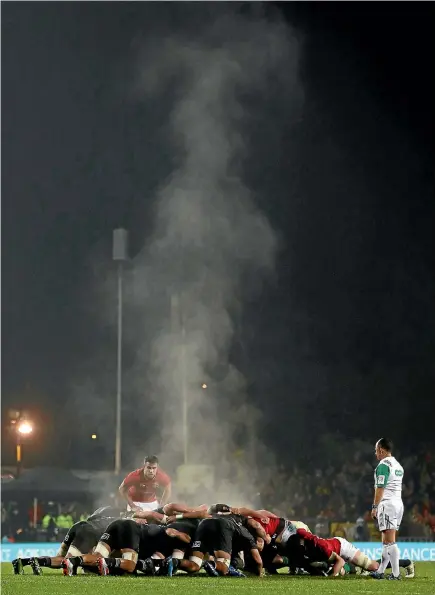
(142, 489)
(271, 526)
(319, 549)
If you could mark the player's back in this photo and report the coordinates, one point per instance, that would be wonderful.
(102, 517)
(234, 521)
(188, 526)
(389, 475)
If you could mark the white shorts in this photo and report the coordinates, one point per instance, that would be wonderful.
(146, 505)
(301, 525)
(390, 513)
(347, 549)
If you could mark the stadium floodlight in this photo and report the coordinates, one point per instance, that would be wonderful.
(203, 385)
(24, 427)
(120, 255)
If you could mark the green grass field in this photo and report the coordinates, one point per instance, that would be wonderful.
(54, 583)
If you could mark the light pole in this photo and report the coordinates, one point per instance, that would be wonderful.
(120, 251)
(22, 428)
(178, 327)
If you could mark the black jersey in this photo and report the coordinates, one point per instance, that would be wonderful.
(235, 521)
(222, 533)
(102, 517)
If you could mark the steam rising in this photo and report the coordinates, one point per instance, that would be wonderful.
(209, 243)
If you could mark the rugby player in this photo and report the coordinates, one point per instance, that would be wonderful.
(130, 539)
(221, 534)
(166, 552)
(336, 551)
(387, 506)
(140, 487)
(81, 538)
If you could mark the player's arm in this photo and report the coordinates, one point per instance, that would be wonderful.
(150, 515)
(338, 564)
(193, 514)
(258, 561)
(382, 474)
(259, 529)
(176, 508)
(129, 481)
(304, 534)
(166, 496)
(123, 491)
(257, 514)
(266, 514)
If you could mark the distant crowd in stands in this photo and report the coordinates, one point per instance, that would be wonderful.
(49, 521)
(343, 492)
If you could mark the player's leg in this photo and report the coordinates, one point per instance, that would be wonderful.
(223, 561)
(406, 564)
(389, 517)
(201, 545)
(395, 521)
(120, 536)
(222, 547)
(84, 541)
(351, 554)
(46, 561)
(124, 537)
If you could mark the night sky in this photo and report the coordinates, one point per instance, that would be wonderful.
(342, 338)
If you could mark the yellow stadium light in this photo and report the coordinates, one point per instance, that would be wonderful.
(24, 427)
(94, 436)
(203, 385)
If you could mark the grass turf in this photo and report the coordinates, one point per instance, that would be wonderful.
(52, 582)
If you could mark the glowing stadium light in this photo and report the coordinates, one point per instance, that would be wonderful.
(94, 436)
(24, 427)
(203, 385)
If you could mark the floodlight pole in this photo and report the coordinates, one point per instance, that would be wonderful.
(178, 328)
(120, 244)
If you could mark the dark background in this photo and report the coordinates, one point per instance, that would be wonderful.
(343, 339)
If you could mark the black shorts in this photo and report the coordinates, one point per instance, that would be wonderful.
(122, 534)
(212, 535)
(82, 536)
(187, 526)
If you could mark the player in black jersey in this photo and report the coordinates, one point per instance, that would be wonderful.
(81, 538)
(163, 550)
(220, 534)
(127, 539)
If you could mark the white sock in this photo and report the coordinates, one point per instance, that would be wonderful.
(394, 559)
(385, 559)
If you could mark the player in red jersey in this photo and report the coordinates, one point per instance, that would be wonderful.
(140, 487)
(336, 551)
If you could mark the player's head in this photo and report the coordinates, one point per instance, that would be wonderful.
(219, 509)
(150, 466)
(383, 448)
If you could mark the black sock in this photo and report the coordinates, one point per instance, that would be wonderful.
(25, 561)
(113, 562)
(141, 565)
(44, 561)
(93, 569)
(118, 571)
(76, 560)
